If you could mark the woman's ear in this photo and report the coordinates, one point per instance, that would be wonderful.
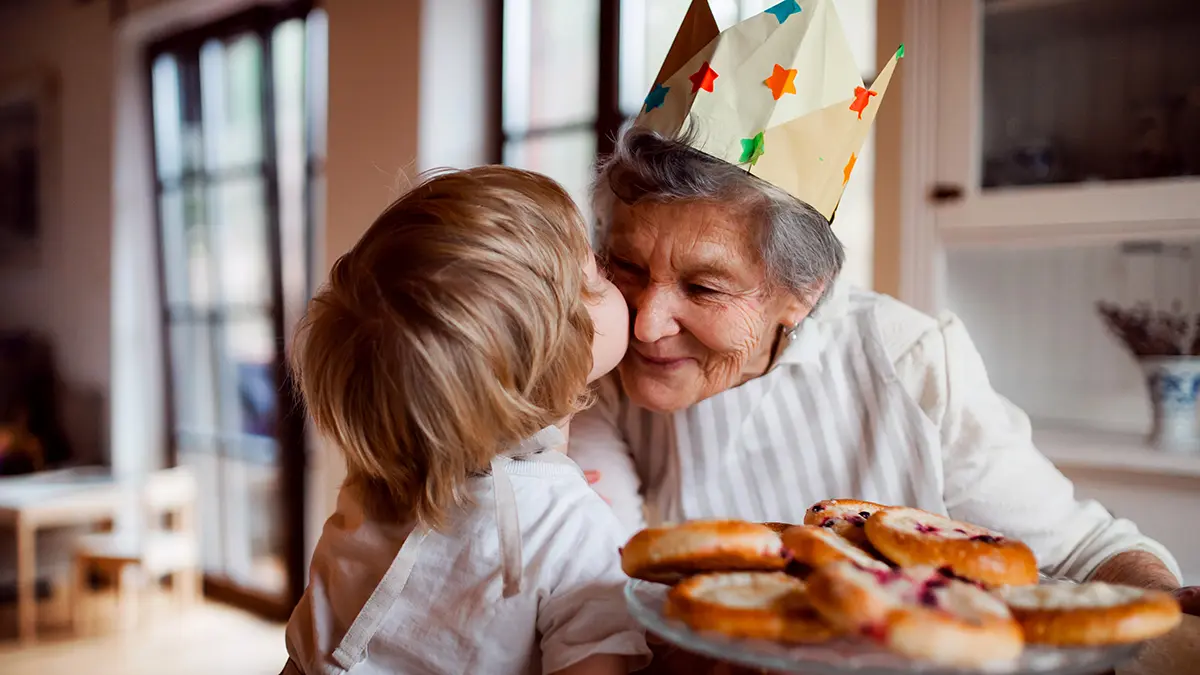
(800, 305)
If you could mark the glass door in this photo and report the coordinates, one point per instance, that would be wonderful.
(235, 153)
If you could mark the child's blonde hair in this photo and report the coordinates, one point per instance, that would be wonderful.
(453, 329)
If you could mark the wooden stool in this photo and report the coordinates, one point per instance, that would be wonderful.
(130, 560)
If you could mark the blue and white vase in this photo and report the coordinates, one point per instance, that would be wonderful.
(1174, 383)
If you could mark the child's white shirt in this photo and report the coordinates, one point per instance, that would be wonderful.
(384, 598)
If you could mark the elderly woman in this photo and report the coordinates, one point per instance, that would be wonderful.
(756, 384)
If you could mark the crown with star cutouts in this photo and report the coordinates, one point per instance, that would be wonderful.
(778, 94)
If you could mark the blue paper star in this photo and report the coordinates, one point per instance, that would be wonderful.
(656, 97)
(784, 9)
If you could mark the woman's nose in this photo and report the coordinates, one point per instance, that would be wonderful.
(653, 315)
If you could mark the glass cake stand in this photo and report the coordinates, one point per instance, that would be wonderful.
(647, 600)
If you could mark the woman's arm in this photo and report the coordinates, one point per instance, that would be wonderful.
(596, 444)
(994, 476)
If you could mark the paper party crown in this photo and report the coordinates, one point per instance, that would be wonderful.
(778, 94)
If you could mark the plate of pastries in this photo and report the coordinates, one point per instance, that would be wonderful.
(866, 588)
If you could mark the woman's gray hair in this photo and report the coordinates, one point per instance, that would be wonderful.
(797, 244)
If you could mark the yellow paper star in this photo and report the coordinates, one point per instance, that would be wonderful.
(782, 81)
(849, 167)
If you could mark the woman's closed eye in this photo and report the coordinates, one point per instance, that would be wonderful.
(701, 289)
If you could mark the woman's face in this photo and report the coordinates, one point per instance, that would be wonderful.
(610, 317)
(704, 318)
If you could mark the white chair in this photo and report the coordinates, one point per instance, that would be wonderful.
(168, 547)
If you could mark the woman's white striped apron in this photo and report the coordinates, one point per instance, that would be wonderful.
(831, 420)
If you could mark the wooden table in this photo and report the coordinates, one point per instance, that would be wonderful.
(51, 499)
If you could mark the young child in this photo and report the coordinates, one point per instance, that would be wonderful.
(444, 359)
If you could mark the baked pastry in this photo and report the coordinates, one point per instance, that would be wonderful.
(847, 517)
(910, 537)
(779, 528)
(668, 554)
(757, 605)
(814, 546)
(917, 612)
(1090, 614)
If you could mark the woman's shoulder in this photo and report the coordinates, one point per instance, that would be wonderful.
(904, 330)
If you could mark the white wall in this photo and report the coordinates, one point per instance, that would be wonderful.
(64, 292)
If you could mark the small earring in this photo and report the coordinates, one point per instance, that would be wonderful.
(792, 332)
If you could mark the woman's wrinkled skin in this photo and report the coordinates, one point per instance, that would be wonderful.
(703, 316)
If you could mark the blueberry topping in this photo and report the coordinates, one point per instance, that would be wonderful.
(829, 523)
(818, 508)
(928, 598)
(960, 530)
(985, 539)
(926, 529)
(865, 514)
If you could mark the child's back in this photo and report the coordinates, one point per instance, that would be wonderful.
(447, 346)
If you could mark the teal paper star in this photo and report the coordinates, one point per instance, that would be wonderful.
(656, 97)
(752, 149)
(784, 9)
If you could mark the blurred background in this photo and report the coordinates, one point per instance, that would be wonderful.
(176, 177)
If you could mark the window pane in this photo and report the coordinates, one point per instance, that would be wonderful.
(551, 57)
(186, 247)
(249, 393)
(168, 116)
(193, 377)
(568, 158)
(254, 525)
(201, 454)
(231, 93)
(239, 221)
(317, 79)
(287, 51)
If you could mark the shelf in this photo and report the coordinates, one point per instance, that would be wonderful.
(1107, 451)
(1075, 214)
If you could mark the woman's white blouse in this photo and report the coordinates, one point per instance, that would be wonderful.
(875, 401)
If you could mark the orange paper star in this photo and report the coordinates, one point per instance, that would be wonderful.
(782, 81)
(849, 168)
(862, 97)
(703, 78)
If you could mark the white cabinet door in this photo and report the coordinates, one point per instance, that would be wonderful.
(1067, 121)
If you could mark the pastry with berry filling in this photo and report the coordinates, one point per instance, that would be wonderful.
(918, 613)
(668, 554)
(813, 546)
(755, 605)
(910, 537)
(847, 517)
(1090, 614)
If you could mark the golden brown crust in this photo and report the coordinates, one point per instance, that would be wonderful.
(1149, 615)
(778, 528)
(817, 546)
(845, 517)
(781, 613)
(668, 554)
(975, 554)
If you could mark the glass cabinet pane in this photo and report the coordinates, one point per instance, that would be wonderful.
(1089, 90)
